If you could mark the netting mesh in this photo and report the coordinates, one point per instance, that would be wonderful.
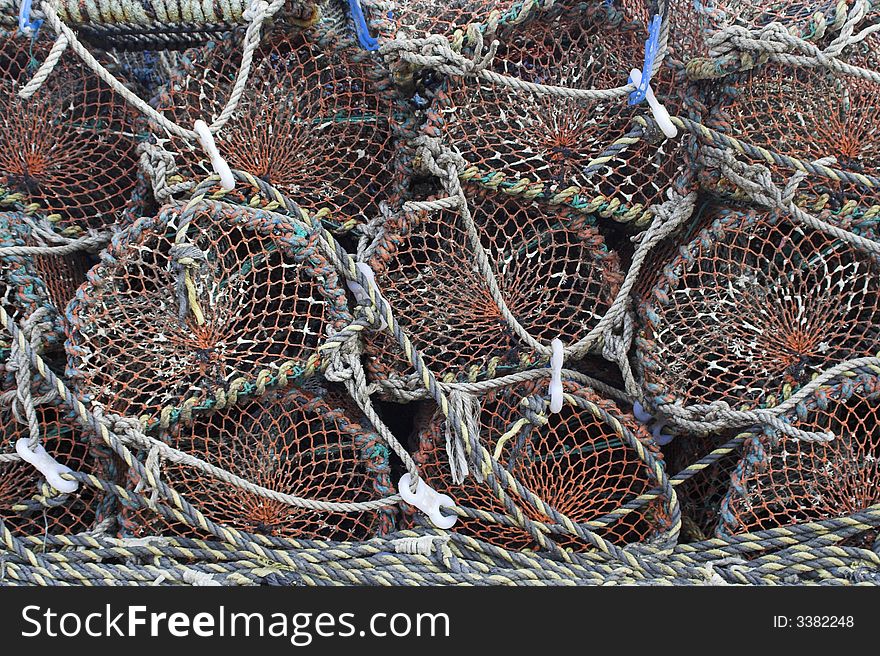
(317, 119)
(249, 388)
(267, 296)
(577, 462)
(812, 113)
(752, 308)
(549, 140)
(782, 481)
(553, 269)
(28, 505)
(290, 442)
(70, 148)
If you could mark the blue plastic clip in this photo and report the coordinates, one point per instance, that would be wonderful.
(360, 26)
(652, 45)
(25, 24)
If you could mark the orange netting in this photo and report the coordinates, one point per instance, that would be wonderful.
(811, 113)
(502, 131)
(291, 442)
(267, 296)
(752, 308)
(577, 462)
(24, 504)
(553, 268)
(781, 480)
(317, 119)
(62, 275)
(70, 147)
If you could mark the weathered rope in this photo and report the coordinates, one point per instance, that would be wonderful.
(776, 43)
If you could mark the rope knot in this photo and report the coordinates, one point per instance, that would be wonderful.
(257, 9)
(436, 158)
(341, 363)
(186, 259)
(159, 166)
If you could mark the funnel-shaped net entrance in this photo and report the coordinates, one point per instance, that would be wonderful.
(577, 461)
(752, 308)
(71, 146)
(291, 442)
(553, 269)
(547, 140)
(317, 118)
(782, 481)
(267, 297)
(28, 505)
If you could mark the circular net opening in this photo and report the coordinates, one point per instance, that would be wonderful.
(291, 442)
(551, 140)
(782, 481)
(316, 120)
(810, 114)
(752, 308)
(267, 296)
(577, 463)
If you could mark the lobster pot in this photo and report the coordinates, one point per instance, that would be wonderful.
(266, 295)
(28, 505)
(781, 480)
(751, 309)
(582, 462)
(70, 148)
(318, 119)
(553, 269)
(701, 494)
(809, 113)
(544, 145)
(288, 441)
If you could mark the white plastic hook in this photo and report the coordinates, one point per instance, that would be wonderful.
(47, 466)
(556, 360)
(219, 164)
(361, 294)
(664, 121)
(428, 501)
